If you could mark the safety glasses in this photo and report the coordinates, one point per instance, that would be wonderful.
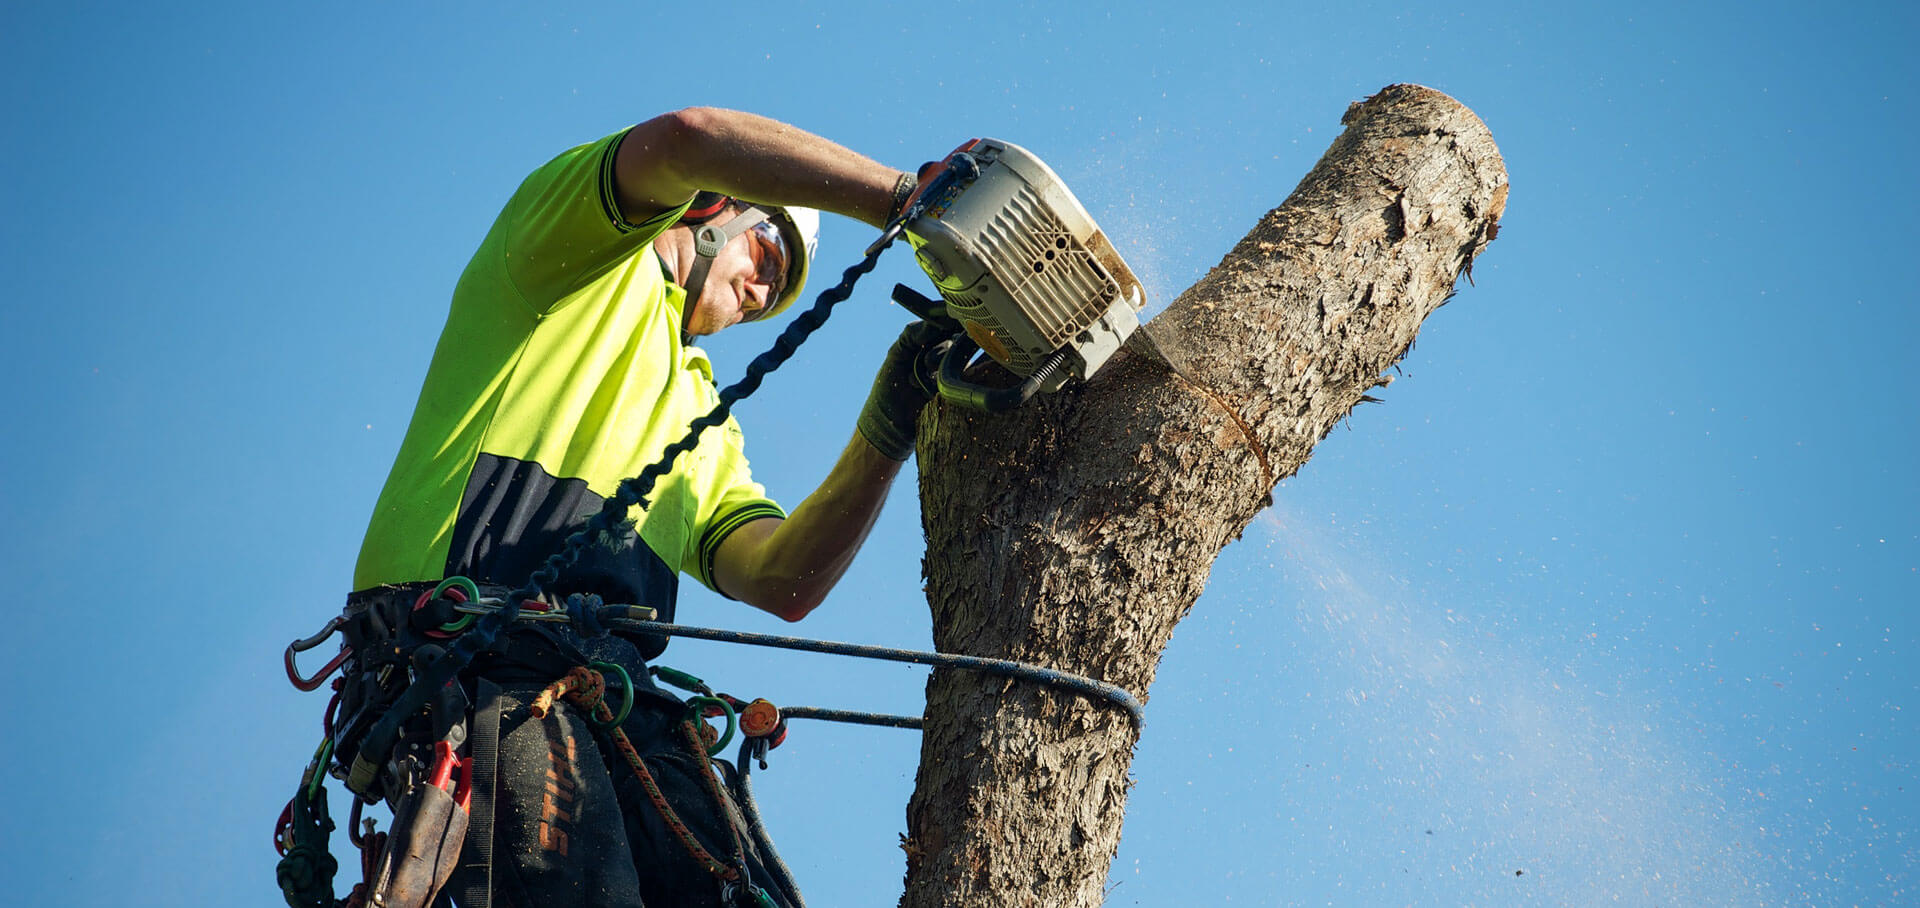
(769, 251)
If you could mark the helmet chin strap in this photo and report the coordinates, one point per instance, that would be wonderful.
(709, 239)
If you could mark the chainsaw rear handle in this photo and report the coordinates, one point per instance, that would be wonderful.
(960, 166)
(955, 387)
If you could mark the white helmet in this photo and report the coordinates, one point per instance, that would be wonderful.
(800, 227)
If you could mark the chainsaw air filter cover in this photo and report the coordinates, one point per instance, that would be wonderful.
(1024, 268)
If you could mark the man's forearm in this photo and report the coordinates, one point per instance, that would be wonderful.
(664, 160)
(788, 566)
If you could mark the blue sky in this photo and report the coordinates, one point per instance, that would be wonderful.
(1611, 600)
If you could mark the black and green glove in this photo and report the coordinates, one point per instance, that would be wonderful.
(906, 383)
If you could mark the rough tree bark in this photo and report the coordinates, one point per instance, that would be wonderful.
(1077, 531)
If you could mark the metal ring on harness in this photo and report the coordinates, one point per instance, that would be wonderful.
(466, 586)
(460, 590)
(626, 686)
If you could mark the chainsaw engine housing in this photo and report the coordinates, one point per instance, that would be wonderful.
(1024, 268)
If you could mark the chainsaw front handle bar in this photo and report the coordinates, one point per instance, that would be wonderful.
(955, 387)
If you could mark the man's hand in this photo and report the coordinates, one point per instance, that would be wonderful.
(905, 384)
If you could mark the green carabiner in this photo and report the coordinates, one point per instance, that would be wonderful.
(698, 715)
(681, 680)
(626, 685)
(318, 768)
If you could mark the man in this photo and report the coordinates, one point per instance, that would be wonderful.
(565, 366)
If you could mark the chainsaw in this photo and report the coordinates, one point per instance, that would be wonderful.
(1020, 265)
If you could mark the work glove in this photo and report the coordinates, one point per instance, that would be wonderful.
(907, 381)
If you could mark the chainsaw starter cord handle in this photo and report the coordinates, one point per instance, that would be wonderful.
(927, 180)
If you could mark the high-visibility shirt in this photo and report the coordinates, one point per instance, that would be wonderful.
(562, 370)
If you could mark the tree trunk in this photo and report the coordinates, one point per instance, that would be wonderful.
(1077, 531)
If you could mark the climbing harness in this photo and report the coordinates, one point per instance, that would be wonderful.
(759, 724)
(408, 662)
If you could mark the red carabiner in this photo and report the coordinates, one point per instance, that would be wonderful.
(301, 646)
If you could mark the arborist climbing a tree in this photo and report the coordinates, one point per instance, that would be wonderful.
(570, 439)
(568, 363)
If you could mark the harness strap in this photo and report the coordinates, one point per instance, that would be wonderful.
(483, 739)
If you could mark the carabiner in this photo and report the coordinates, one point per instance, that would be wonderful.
(310, 783)
(301, 646)
(698, 711)
(731, 890)
(626, 687)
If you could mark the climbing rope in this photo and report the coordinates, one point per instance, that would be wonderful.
(1051, 677)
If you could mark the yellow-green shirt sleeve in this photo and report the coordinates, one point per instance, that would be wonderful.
(731, 500)
(563, 228)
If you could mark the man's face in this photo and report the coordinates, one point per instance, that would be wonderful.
(744, 280)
